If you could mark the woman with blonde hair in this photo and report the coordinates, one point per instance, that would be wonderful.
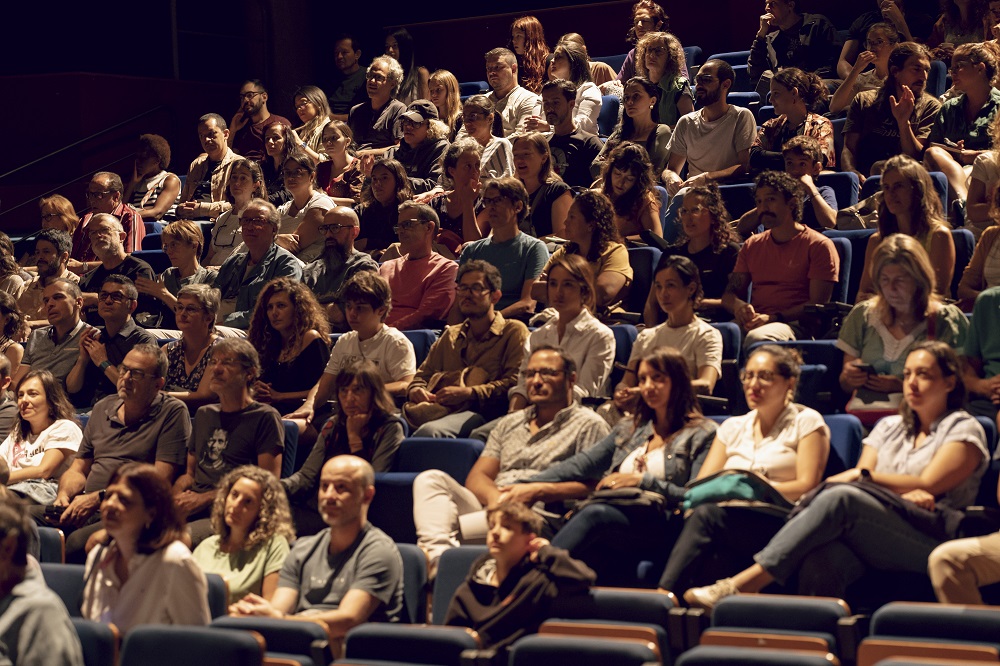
(182, 242)
(549, 197)
(314, 111)
(659, 57)
(252, 525)
(910, 205)
(246, 183)
(446, 98)
(879, 332)
(290, 331)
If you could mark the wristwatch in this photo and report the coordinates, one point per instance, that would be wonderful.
(105, 364)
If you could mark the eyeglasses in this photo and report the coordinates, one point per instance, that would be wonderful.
(656, 50)
(249, 95)
(472, 117)
(97, 195)
(327, 228)
(474, 289)
(409, 224)
(546, 373)
(112, 296)
(294, 173)
(188, 309)
(765, 377)
(302, 105)
(412, 124)
(692, 211)
(254, 222)
(491, 201)
(376, 77)
(135, 372)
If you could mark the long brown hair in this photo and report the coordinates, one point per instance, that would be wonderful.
(682, 406)
(309, 315)
(950, 366)
(165, 525)
(59, 405)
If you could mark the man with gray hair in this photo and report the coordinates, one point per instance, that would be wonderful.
(338, 263)
(236, 431)
(106, 238)
(422, 281)
(374, 123)
(104, 196)
(204, 193)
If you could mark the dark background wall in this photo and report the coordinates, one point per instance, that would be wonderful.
(70, 72)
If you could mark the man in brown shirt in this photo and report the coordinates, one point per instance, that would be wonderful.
(485, 340)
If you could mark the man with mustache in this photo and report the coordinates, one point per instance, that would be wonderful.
(246, 135)
(52, 248)
(714, 140)
(338, 263)
(790, 265)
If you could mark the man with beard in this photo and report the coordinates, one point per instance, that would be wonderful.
(513, 104)
(573, 150)
(204, 193)
(55, 347)
(554, 427)
(246, 135)
(104, 196)
(373, 123)
(790, 265)
(52, 248)
(422, 281)
(338, 263)
(347, 574)
(896, 118)
(486, 341)
(714, 141)
(106, 238)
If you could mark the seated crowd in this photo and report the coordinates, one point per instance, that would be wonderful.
(146, 414)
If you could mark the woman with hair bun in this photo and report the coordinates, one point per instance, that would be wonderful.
(796, 95)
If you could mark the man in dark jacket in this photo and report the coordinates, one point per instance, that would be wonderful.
(423, 145)
(787, 38)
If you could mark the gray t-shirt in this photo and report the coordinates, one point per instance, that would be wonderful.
(35, 627)
(42, 352)
(222, 441)
(371, 564)
(162, 435)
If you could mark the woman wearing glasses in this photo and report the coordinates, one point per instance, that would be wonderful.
(796, 96)
(660, 58)
(880, 40)
(340, 175)
(425, 139)
(182, 243)
(246, 182)
(298, 231)
(313, 110)
(187, 358)
(783, 442)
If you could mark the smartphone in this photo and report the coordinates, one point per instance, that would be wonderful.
(866, 367)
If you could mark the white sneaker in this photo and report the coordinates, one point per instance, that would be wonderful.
(706, 597)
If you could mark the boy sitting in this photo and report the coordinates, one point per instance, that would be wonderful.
(803, 161)
(512, 589)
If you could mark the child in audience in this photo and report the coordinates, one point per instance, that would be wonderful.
(516, 586)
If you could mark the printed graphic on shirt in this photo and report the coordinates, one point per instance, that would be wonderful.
(212, 457)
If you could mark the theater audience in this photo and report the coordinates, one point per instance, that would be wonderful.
(982, 183)
(660, 58)
(842, 532)
(572, 148)
(13, 327)
(647, 17)
(182, 243)
(796, 96)
(512, 103)
(983, 270)
(364, 424)
(879, 42)
(246, 130)
(50, 258)
(142, 573)
(340, 174)
(378, 212)
(278, 145)
(400, 46)
(639, 125)
(456, 208)
(478, 118)
(910, 205)
(246, 182)
(912, 25)
(313, 109)
(549, 197)
(570, 63)
(425, 139)
(106, 239)
(527, 41)
(443, 93)
(348, 83)
(790, 38)
(251, 525)
(629, 183)
(55, 346)
(153, 191)
(189, 356)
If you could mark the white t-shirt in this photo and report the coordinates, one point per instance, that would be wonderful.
(711, 146)
(63, 434)
(774, 456)
(390, 351)
(699, 343)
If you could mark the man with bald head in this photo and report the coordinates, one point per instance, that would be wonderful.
(347, 574)
(104, 195)
(107, 240)
(338, 263)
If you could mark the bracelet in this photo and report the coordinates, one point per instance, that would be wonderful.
(105, 364)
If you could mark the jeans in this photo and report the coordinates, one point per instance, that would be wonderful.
(459, 424)
(844, 532)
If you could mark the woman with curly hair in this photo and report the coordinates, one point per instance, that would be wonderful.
(290, 331)
(707, 239)
(527, 41)
(660, 58)
(796, 96)
(549, 198)
(364, 424)
(647, 16)
(399, 45)
(640, 125)
(446, 98)
(153, 190)
(13, 331)
(379, 209)
(627, 181)
(314, 111)
(252, 525)
(44, 439)
(592, 235)
(910, 205)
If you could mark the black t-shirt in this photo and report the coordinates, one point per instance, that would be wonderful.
(376, 223)
(146, 312)
(203, 190)
(538, 223)
(572, 155)
(714, 269)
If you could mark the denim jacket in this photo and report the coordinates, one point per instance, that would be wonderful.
(683, 460)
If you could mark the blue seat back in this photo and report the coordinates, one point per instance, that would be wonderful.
(608, 117)
(421, 339)
(377, 643)
(98, 640)
(157, 259)
(289, 637)
(290, 454)
(846, 434)
(811, 616)
(738, 60)
(840, 290)
(540, 650)
(858, 238)
(669, 216)
(218, 595)
(846, 187)
(470, 88)
(453, 567)
(414, 582)
(965, 244)
(153, 226)
(643, 261)
(152, 241)
(937, 79)
(692, 57)
(167, 645)
(952, 623)
(745, 99)
(625, 335)
(454, 456)
(66, 580)
(765, 113)
(615, 62)
(724, 655)
(838, 135)
(52, 545)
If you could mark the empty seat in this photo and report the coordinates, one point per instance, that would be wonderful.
(66, 580)
(161, 645)
(550, 650)
(932, 630)
(306, 643)
(400, 644)
(608, 117)
(720, 655)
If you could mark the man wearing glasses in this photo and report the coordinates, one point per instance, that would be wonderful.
(338, 263)
(422, 281)
(138, 424)
(373, 123)
(104, 195)
(102, 349)
(106, 238)
(204, 193)
(246, 135)
(425, 138)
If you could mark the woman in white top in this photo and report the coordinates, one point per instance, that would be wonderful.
(783, 442)
(570, 62)
(246, 182)
(574, 329)
(142, 573)
(44, 439)
(930, 456)
(298, 230)
(497, 159)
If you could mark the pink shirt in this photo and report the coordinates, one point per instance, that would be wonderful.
(780, 272)
(422, 289)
